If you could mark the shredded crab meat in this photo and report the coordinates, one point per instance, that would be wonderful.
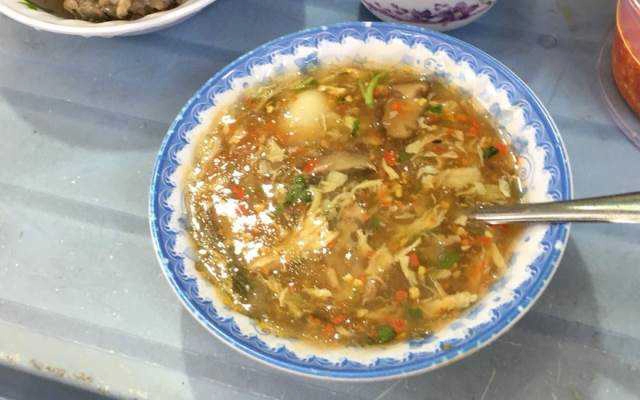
(364, 249)
(428, 221)
(309, 237)
(459, 178)
(347, 196)
(417, 146)
(343, 161)
(380, 262)
(333, 181)
(439, 306)
(497, 258)
(427, 170)
(275, 153)
(332, 278)
(408, 274)
(393, 175)
(320, 293)
(503, 185)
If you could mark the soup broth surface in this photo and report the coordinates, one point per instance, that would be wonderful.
(331, 205)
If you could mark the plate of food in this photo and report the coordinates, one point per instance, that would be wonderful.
(309, 204)
(104, 18)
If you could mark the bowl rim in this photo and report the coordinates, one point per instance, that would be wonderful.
(560, 232)
(108, 28)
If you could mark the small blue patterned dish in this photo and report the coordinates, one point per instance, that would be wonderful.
(544, 169)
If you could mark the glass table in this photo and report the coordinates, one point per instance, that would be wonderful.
(84, 309)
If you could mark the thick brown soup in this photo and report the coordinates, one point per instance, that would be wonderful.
(330, 206)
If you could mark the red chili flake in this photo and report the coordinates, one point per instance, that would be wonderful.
(414, 261)
(398, 325)
(237, 191)
(309, 166)
(328, 330)
(338, 319)
(390, 158)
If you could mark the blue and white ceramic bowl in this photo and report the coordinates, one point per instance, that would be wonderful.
(544, 172)
(439, 15)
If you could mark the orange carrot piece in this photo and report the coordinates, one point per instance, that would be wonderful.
(474, 129)
(401, 295)
(474, 275)
(414, 261)
(338, 319)
(398, 325)
(502, 148)
(396, 106)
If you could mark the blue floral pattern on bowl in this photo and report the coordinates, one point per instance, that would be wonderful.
(542, 157)
(439, 15)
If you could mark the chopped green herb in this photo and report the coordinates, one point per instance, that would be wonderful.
(306, 83)
(385, 334)
(363, 90)
(355, 127)
(30, 5)
(404, 156)
(449, 258)
(436, 109)
(414, 312)
(367, 93)
(375, 222)
(490, 152)
(306, 197)
(300, 180)
(299, 191)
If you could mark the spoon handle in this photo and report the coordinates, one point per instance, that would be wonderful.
(620, 208)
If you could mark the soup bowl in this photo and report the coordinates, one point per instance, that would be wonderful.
(543, 167)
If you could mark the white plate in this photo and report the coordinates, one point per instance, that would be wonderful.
(41, 20)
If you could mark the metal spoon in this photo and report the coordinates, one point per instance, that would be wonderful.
(620, 208)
